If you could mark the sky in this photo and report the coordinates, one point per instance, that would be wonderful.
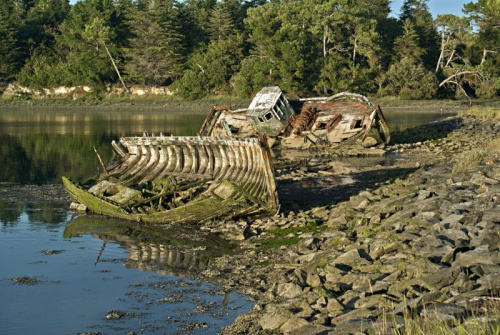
(436, 6)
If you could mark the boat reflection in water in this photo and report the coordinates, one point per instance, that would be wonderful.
(169, 250)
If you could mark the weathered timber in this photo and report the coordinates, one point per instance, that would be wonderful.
(182, 179)
(301, 124)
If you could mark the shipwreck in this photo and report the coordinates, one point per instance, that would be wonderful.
(166, 179)
(301, 124)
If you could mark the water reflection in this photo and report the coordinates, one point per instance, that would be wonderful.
(400, 120)
(39, 147)
(11, 212)
(169, 250)
(80, 270)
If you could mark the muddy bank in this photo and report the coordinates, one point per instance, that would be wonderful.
(16, 193)
(418, 237)
(142, 105)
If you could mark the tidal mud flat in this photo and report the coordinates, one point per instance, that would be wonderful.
(417, 239)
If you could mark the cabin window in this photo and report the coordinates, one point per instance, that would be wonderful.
(260, 119)
(321, 125)
(268, 116)
(234, 130)
(357, 124)
(278, 111)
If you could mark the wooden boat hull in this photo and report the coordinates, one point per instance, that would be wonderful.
(182, 180)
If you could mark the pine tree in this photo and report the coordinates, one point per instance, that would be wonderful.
(407, 45)
(9, 47)
(221, 23)
(418, 13)
(155, 53)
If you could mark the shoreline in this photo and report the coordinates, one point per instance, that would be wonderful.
(204, 105)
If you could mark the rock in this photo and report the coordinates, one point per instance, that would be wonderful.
(320, 304)
(378, 301)
(400, 216)
(351, 258)
(423, 194)
(336, 221)
(275, 319)
(492, 215)
(356, 314)
(114, 315)
(358, 202)
(320, 319)
(480, 255)
(302, 309)
(81, 208)
(453, 220)
(432, 248)
(288, 290)
(313, 280)
(334, 305)
(293, 324)
(424, 299)
(442, 312)
(490, 282)
(479, 179)
(456, 236)
(370, 142)
(311, 329)
(484, 269)
(443, 278)
(430, 217)
(389, 325)
(320, 213)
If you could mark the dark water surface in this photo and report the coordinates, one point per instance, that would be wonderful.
(79, 268)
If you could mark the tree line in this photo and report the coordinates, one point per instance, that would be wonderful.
(235, 47)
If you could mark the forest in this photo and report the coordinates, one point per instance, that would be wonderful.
(203, 48)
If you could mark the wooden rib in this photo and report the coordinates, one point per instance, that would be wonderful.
(162, 162)
(129, 163)
(153, 161)
(145, 154)
(187, 155)
(203, 162)
(170, 164)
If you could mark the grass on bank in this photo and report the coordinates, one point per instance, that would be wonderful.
(470, 160)
(288, 236)
(483, 321)
(482, 113)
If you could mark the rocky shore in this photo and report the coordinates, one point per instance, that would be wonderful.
(365, 249)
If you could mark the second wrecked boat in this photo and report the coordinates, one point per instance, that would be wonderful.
(301, 124)
(182, 179)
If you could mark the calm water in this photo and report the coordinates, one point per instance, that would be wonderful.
(82, 267)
